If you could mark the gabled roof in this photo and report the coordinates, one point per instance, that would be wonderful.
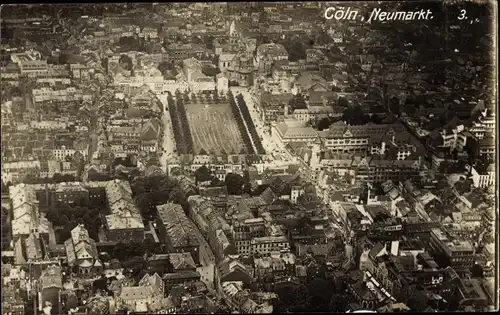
(182, 261)
(80, 247)
(268, 196)
(376, 250)
(179, 229)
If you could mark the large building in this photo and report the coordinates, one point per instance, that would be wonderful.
(273, 107)
(267, 244)
(198, 82)
(456, 253)
(81, 252)
(50, 288)
(292, 130)
(33, 67)
(27, 218)
(341, 137)
(140, 298)
(177, 231)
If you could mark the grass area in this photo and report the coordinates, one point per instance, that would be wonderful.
(213, 128)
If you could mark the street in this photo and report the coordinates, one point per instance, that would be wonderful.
(94, 129)
(207, 262)
(269, 145)
(168, 143)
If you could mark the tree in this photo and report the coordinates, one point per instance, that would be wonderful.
(211, 71)
(100, 284)
(343, 102)
(355, 115)
(296, 50)
(247, 188)
(417, 300)
(164, 67)
(216, 182)
(324, 123)
(409, 107)
(64, 220)
(208, 41)
(135, 265)
(297, 102)
(292, 299)
(59, 178)
(234, 184)
(339, 303)
(123, 251)
(203, 174)
(156, 190)
(301, 295)
(126, 62)
(320, 291)
(394, 106)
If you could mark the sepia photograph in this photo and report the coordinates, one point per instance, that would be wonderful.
(249, 157)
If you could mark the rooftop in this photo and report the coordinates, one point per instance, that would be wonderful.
(180, 230)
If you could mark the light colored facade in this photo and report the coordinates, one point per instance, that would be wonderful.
(139, 298)
(222, 83)
(61, 153)
(484, 125)
(292, 130)
(267, 244)
(15, 171)
(48, 125)
(33, 67)
(483, 178)
(67, 94)
(459, 252)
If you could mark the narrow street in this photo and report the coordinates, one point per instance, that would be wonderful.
(93, 133)
(168, 143)
(207, 262)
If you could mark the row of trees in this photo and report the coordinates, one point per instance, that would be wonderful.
(6, 228)
(205, 97)
(241, 126)
(183, 121)
(176, 126)
(251, 127)
(57, 178)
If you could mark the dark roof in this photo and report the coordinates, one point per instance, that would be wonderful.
(181, 275)
(268, 195)
(376, 249)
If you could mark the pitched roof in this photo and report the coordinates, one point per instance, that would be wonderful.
(268, 195)
(376, 250)
(80, 247)
(182, 261)
(179, 229)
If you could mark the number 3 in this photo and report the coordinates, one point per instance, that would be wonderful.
(462, 15)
